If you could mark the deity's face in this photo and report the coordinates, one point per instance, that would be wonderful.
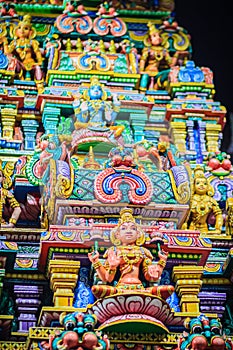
(23, 30)
(127, 233)
(155, 39)
(201, 185)
(95, 92)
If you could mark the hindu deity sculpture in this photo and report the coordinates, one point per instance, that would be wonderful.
(202, 205)
(129, 258)
(27, 52)
(6, 197)
(93, 111)
(155, 57)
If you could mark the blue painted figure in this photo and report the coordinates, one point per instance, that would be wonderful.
(93, 110)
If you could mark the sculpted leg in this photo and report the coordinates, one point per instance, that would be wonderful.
(101, 291)
(161, 291)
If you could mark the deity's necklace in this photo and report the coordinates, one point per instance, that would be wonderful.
(202, 206)
(158, 52)
(126, 254)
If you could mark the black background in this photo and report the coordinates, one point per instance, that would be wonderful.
(210, 24)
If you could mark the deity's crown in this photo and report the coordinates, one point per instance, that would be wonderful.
(198, 171)
(126, 215)
(26, 20)
(152, 28)
(95, 81)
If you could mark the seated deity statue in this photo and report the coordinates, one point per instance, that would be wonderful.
(6, 197)
(202, 205)
(93, 111)
(25, 49)
(130, 259)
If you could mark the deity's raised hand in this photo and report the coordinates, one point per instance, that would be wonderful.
(93, 256)
(113, 260)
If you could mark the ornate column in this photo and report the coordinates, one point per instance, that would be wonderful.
(27, 304)
(178, 133)
(138, 124)
(63, 279)
(8, 115)
(191, 141)
(202, 127)
(212, 302)
(29, 129)
(212, 137)
(50, 118)
(188, 285)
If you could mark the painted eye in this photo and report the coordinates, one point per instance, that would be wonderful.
(216, 330)
(89, 326)
(197, 329)
(69, 326)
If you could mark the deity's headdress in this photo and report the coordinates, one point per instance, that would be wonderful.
(26, 21)
(152, 28)
(126, 216)
(198, 171)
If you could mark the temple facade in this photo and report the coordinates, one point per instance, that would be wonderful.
(116, 208)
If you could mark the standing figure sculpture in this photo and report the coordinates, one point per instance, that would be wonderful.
(27, 52)
(7, 197)
(155, 57)
(130, 258)
(202, 205)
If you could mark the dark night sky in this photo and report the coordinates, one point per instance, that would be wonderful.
(211, 28)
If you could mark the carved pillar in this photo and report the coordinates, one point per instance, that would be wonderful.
(212, 303)
(188, 285)
(63, 279)
(202, 127)
(50, 119)
(191, 141)
(8, 116)
(212, 137)
(29, 128)
(27, 304)
(178, 133)
(138, 121)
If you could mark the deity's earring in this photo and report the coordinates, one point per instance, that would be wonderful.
(86, 96)
(116, 241)
(141, 238)
(210, 190)
(32, 33)
(104, 95)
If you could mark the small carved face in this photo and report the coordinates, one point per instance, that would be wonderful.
(1, 177)
(201, 185)
(127, 233)
(155, 39)
(95, 92)
(23, 30)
